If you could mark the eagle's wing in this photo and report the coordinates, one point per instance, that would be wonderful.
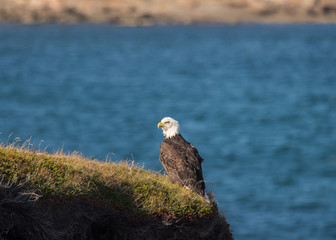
(183, 164)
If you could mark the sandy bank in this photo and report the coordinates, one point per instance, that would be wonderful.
(149, 12)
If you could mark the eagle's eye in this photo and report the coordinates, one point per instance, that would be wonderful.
(167, 122)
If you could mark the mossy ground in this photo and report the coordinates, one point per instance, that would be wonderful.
(122, 185)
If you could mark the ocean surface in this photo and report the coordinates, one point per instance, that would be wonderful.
(257, 101)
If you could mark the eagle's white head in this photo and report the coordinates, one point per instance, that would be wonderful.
(169, 126)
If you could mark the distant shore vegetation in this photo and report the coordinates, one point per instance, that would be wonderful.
(140, 13)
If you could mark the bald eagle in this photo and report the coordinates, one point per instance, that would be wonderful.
(180, 158)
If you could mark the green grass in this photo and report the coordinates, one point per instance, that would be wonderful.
(122, 185)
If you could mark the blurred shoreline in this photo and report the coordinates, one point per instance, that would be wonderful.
(153, 12)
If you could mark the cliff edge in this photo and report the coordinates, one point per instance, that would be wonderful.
(58, 196)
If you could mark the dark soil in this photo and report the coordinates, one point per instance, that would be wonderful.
(25, 215)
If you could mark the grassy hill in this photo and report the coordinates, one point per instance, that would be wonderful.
(49, 182)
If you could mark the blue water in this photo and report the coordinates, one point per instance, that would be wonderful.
(258, 101)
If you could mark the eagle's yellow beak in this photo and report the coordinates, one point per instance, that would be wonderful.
(161, 124)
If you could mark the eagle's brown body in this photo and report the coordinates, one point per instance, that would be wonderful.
(182, 163)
